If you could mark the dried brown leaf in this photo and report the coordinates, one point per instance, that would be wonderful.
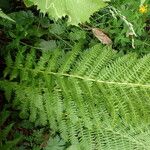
(101, 36)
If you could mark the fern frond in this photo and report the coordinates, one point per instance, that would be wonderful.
(69, 58)
(94, 98)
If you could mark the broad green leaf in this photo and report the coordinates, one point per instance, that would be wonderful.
(78, 11)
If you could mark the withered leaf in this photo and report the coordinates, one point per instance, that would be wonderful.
(98, 33)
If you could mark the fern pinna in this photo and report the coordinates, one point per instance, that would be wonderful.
(96, 99)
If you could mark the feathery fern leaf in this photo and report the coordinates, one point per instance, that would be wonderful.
(95, 98)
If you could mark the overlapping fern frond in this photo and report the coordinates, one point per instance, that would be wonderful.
(95, 98)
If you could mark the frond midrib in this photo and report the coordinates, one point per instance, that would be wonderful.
(86, 78)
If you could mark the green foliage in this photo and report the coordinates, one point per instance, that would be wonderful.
(142, 2)
(41, 32)
(5, 143)
(38, 32)
(77, 11)
(21, 134)
(114, 24)
(3, 15)
(55, 144)
(34, 140)
(96, 98)
(28, 3)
